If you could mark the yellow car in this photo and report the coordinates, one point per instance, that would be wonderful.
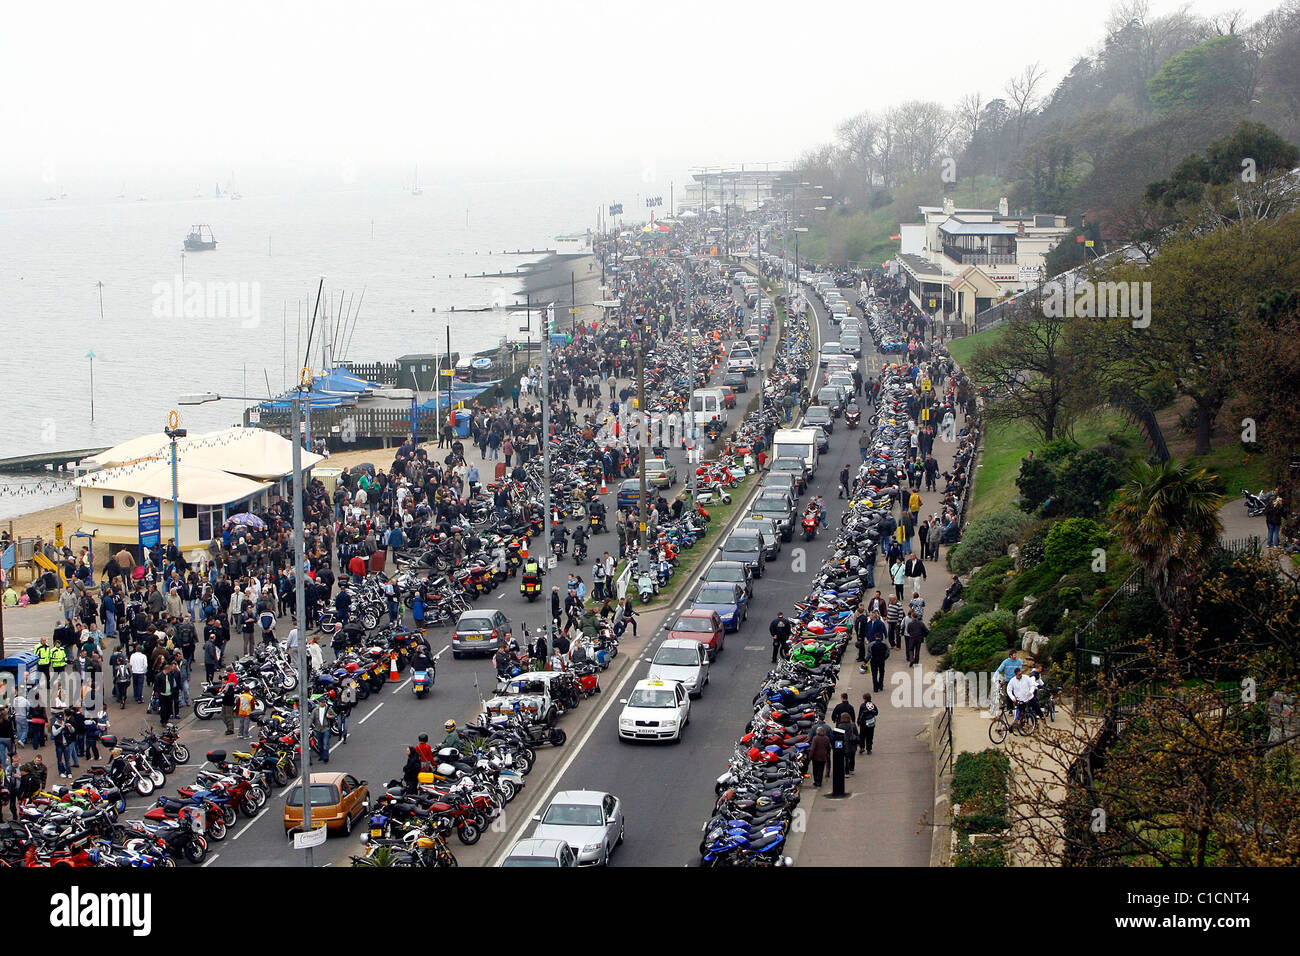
(337, 799)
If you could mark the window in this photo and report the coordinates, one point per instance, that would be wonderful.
(128, 501)
(108, 502)
(209, 521)
(189, 511)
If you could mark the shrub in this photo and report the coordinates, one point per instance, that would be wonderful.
(1045, 616)
(1086, 482)
(979, 789)
(984, 853)
(1037, 483)
(1070, 542)
(1033, 545)
(977, 643)
(986, 538)
(975, 774)
(945, 627)
(987, 586)
(1058, 449)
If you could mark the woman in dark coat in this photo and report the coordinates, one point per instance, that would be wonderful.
(411, 770)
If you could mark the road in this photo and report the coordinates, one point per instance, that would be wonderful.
(385, 724)
(667, 790)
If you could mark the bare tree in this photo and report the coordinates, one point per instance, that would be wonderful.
(1023, 92)
(968, 117)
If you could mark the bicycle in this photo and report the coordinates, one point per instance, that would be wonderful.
(1005, 723)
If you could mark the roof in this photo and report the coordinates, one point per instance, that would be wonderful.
(958, 227)
(153, 478)
(920, 266)
(580, 796)
(252, 452)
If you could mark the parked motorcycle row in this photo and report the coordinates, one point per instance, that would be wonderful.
(760, 789)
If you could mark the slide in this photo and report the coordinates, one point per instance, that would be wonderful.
(47, 565)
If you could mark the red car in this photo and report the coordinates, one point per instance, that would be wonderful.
(728, 396)
(700, 625)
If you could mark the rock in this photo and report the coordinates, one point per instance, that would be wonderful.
(1013, 551)
(1031, 642)
(1026, 604)
(1283, 720)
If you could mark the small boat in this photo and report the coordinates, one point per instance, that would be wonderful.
(200, 239)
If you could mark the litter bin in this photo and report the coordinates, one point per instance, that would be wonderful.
(21, 668)
(462, 423)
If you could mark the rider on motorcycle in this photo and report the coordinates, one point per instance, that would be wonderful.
(560, 536)
(454, 737)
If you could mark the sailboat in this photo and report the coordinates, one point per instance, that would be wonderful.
(416, 188)
(200, 239)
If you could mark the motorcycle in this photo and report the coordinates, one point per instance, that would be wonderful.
(853, 416)
(421, 681)
(530, 583)
(580, 551)
(811, 520)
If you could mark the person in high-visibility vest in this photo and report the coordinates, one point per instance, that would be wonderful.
(43, 656)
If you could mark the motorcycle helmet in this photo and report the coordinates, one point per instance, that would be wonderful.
(449, 726)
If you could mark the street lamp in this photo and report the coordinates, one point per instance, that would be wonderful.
(173, 433)
(299, 562)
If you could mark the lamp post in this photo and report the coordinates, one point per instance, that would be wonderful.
(173, 433)
(299, 570)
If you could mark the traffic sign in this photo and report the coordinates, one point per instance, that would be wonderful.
(309, 838)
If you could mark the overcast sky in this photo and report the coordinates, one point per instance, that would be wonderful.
(100, 87)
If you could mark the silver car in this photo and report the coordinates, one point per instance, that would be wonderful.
(589, 821)
(684, 661)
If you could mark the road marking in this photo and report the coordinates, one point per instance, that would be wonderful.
(753, 647)
(371, 714)
(441, 652)
(563, 768)
(211, 859)
(245, 827)
(404, 683)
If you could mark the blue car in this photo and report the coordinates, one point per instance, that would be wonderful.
(629, 493)
(727, 599)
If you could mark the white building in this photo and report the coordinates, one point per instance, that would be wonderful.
(970, 259)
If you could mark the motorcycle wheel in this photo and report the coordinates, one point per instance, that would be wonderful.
(158, 777)
(195, 851)
(289, 681)
(508, 790)
(144, 785)
(204, 711)
(363, 690)
(259, 795)
(526, 760)
(217, 829)
(292, 767)
(180, 753)
(168, 861)
(369, 620)
(468, 833)
(165, 763)
(279, 776)
(558, 737)
(249, 806)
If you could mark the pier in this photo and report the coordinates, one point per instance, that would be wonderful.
(48, 461)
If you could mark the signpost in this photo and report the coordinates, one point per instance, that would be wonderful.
(149, 522)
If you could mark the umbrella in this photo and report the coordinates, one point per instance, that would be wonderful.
(365, 466)
(252, 521)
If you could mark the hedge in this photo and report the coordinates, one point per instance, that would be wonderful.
(986, 538)
(1071, 542)
(979, 791)
(978, 641)
(945, 627)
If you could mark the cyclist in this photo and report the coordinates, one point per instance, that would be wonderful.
(1021, 690)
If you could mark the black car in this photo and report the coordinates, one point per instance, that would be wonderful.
(794, 466)
(730, 572)
(819, 415)
(746, 547)
(776, 505)
(736, 380)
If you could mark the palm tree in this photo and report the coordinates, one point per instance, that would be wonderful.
(1167, 517)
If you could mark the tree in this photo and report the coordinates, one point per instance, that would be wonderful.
(1269, 387)
(1219, 71)
(1031, 374)
(1200, 290)
(1166, 517)
(1023, 92)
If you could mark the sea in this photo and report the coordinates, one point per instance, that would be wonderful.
(96, 268)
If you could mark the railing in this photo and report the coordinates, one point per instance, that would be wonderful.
(945, 735)
(969, 258)
(382, 373)
(1249, 545)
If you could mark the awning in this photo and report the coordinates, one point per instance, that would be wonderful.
(195, 485)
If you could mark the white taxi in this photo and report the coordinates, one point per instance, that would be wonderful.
(657, 710)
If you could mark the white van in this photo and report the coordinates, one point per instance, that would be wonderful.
(797, 443)
(708, 404)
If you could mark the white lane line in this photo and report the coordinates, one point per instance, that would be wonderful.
(441, 652)
(244, 828)
(404, 683)
(371, 714)
(563, 768)
(211, 859)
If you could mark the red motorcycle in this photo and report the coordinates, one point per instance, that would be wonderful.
(238, 790)
(216, 816)
(811, 521)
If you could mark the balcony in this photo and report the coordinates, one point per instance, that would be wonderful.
(968, 257)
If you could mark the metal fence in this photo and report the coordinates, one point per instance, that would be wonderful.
(945, 739)
(381, 373)
(1248, 545)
